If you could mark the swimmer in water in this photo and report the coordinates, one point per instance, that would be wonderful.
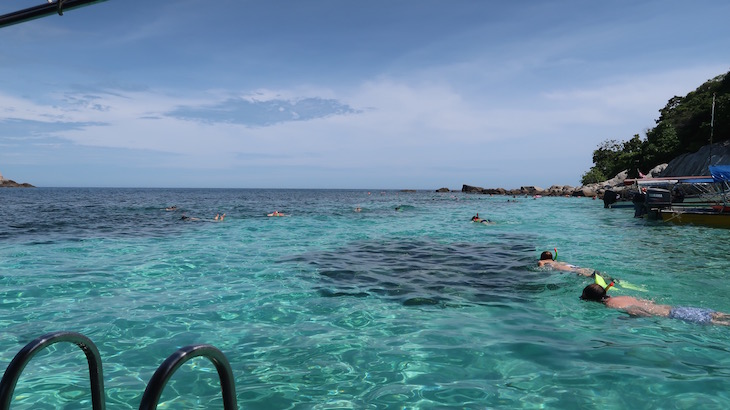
(275, 213)
(642, 307)
(476, 218)
(188, 218)
(171, 208)
(547, 261)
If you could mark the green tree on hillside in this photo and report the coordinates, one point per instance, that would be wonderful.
(611, 158)
(660, 145)
(684, 125)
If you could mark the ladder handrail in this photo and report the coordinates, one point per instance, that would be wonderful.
(16, 366)
(158, 381)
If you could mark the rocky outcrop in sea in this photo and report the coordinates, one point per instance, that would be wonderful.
(683, 165)
(9, 183)
(531, 190)
(615, 184)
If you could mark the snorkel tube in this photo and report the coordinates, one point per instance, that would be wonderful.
(601, 282)
(556, 254)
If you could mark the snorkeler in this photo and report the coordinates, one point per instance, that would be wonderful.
(642, 307)
(476, 218)
(275, 213)
(547, 261)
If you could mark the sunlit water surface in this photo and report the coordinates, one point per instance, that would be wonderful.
(416, 308)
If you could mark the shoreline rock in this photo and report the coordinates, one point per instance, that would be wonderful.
(9, 183)
(615, 184)
(684, 165)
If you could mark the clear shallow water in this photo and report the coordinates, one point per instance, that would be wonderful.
(329, 308)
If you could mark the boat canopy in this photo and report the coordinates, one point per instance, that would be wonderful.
(699, 180)
(673, 181)
(656, 182)
(720, 173)
(669, 180)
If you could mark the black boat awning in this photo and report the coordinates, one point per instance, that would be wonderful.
(50, 8)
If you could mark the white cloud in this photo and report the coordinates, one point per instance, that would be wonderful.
(402, 128)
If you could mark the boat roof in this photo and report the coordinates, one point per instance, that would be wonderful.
(669, 180)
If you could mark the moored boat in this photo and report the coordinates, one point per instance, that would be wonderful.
(716, 214)
(704, 217)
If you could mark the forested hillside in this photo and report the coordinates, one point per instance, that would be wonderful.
(683, 126)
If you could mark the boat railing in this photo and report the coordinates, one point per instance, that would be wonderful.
(46, 9)
(155, 387)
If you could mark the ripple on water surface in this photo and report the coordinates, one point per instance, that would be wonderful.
(416, 308)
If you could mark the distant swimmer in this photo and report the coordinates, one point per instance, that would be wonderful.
(171, 208)
(358, 209)
(275, 213)
(642, 307)
(476, 218)
(188, 218)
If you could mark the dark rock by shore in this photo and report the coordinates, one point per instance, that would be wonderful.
(615, 184)
(555, 190)
(9, 183)
(697, 163)
(684, 165)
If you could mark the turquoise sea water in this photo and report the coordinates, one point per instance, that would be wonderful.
(330, 308)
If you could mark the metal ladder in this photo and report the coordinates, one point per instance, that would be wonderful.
(154, 389)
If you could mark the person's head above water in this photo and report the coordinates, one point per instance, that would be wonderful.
(546, 255)
(594, 292)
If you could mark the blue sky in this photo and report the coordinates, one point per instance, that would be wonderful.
(373, 94)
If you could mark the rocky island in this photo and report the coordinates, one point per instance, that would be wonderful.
(9, 183)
